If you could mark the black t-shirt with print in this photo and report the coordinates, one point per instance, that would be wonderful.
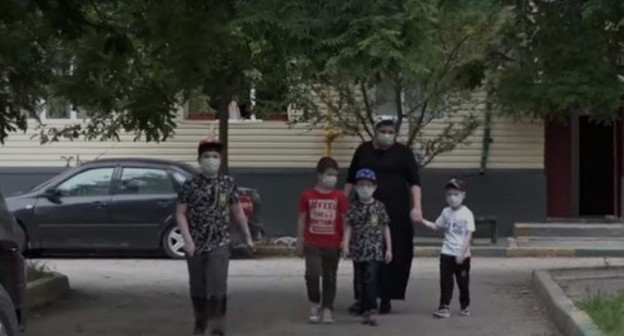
(367, 222)
(208, 212)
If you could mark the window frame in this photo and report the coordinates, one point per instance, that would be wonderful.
(112, 181)
(118, 187)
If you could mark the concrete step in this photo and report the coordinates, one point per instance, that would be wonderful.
(568, 230)
(570, 242)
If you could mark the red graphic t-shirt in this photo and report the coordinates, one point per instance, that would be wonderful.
(324, 215)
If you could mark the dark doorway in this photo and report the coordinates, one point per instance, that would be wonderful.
(597, 168)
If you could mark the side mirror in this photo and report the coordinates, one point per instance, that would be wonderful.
(52, 193)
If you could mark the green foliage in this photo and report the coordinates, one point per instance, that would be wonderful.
(564, 56)
(607, 312)
(424, 53)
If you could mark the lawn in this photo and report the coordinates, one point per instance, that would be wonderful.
(607, 312)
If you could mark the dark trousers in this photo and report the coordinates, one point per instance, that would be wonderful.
(321, 263)
(208, 285)
(365, 277)
(449, 269)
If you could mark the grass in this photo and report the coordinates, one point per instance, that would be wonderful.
(607, 312)
(36, 270)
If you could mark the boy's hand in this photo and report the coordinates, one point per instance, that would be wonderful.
(345, 251)
(299, 249)
(189, 248)
(250, 243)
(459, 260)
(388, 257)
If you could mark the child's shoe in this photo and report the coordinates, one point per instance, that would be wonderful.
(315, 314)
(369, 319)
(465, 312)
(443, 312)
(356, 308)
(328, 317)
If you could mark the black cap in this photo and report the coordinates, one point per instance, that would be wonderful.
(455, 184)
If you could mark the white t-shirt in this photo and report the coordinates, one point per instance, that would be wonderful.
(457, 224)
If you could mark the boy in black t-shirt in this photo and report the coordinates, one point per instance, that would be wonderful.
(367, 241)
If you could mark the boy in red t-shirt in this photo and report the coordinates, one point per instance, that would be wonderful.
(321, 214)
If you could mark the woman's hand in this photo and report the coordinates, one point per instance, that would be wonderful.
(416, 215)
(345, 250)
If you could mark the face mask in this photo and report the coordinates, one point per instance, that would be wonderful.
(210, 166)
(385, 139)
(365, 193)
(329, 181)
(455, 200)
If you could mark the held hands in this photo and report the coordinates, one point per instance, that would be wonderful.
(416, 215)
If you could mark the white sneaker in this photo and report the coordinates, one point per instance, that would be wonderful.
(315, 314)
(442, 313)
(328, 317)
(465, 312)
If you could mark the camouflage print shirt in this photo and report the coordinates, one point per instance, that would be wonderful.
(208, 213)
(367, 222)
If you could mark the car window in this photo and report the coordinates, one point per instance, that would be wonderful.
(145, 181)
(179, 177)
(93, 182)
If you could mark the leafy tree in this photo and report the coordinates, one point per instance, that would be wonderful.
(563, 56)
(426, 54)
(129, 63)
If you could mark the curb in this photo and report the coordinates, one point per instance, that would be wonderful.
(44, 291)
(269, 251)
(568, 318)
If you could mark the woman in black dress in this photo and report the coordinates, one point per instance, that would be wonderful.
(398, 187)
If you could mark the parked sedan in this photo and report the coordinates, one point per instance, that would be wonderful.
(112, 204)
(12, 276)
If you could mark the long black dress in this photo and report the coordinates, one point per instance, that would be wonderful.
(397, 170)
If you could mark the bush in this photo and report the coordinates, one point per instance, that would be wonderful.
(36, 270)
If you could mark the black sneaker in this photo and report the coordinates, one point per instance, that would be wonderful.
(356, 308)
(217, 332)
(385, 307)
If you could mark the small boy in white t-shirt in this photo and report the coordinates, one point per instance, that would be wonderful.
(458, 224)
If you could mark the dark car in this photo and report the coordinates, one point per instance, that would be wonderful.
(12, 275)
(115, 204)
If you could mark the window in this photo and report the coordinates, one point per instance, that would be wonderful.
(94, 182)
(142, 181)
(58, 108)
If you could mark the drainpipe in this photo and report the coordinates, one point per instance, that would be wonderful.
(331, 133)
(487, 131)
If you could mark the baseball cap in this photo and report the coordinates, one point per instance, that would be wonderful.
(366, 174)
(207, 144)
(455, 184)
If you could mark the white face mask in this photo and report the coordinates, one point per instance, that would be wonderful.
(455, 200)
(385, 139)
(329, 181)
(210, 166)
(365, 193)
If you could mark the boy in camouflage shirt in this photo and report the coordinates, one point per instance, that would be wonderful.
(367, 241)
(205, 205)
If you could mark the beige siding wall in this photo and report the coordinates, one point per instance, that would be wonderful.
(275, 145)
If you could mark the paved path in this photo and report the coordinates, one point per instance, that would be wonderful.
(149, 297)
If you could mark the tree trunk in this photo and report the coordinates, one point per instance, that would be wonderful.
(224, 102)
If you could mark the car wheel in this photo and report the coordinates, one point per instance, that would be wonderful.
(173, 243)
(8, 320)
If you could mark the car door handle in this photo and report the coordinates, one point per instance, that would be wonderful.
(99, 205)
